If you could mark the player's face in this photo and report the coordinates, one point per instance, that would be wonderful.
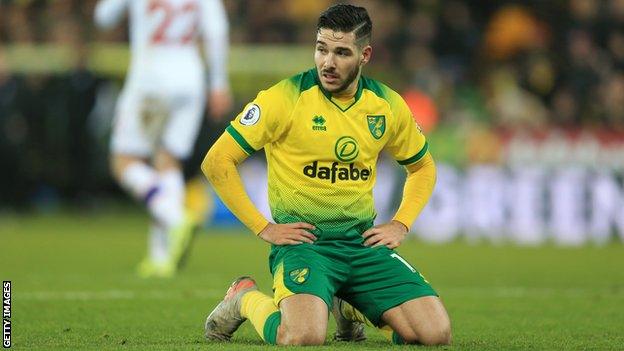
(339, 61)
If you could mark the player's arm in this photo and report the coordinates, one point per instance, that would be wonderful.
(215, 27)
(421, 177)
(417, 190)
(220, 167)
(108, 13)
(410, 149)
(262, 122)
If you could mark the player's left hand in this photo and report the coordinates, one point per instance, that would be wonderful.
(390, 234)
(219, 103)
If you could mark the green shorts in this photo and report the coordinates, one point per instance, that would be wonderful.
(373, 280)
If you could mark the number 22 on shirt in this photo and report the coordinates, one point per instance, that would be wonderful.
(177, 23)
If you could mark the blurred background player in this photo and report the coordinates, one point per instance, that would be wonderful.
(158, 114)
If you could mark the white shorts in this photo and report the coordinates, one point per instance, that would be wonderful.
(148, 119)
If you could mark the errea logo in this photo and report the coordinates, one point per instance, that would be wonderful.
(319, 123)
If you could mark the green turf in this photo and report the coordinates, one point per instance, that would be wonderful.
(74, 287)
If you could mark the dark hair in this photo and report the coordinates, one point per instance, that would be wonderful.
(347, 18)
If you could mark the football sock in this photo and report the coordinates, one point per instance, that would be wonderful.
(198, 201)
(162, 193)
(172, 181)
(391, 335)
(167, 204)
(263, 314)
(157, 243)
(140, 180)
(351, 313)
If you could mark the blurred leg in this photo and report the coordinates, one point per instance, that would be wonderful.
(157, 244)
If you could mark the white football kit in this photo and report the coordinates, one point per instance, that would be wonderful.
(163, 97)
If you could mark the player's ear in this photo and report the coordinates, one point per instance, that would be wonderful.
(367, 51)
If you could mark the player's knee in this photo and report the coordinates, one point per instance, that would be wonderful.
(433, 333)
(118, 164)
(436, 334)
(300, 337)
(165, 160)
(303, 340)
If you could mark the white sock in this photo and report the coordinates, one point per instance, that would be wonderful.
(139, 180)
(173, 182)
(167, 205)
(157, 243)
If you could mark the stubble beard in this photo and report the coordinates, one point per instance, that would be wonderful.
(351, 77)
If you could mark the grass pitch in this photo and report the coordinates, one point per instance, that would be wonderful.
(74, 287)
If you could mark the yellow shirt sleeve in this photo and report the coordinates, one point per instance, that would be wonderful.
(421, 177)
(219, 166)
(266, 118)
(408, 144)
(262, 121)
(409, 147)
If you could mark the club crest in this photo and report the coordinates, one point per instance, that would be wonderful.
(376, 125)
(300, 275)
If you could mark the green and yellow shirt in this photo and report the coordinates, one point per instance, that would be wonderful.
(322, 153)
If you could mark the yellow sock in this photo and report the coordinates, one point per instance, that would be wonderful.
(259, 308)
(389, 334)
(351, 313)
(386, 331)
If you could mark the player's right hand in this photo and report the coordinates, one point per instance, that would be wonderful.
(288, 233)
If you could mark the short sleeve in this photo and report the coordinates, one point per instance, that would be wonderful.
(408, 144)
(263, 120)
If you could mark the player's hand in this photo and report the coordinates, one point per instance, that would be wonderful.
(390, 234)
(288, 233)
(219, 103)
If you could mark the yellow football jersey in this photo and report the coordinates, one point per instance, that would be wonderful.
(322, 153)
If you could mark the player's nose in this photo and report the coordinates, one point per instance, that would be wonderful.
(329, 61)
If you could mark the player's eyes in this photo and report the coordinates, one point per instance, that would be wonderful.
(320, 49)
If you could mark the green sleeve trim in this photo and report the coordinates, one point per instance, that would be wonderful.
(240, 140)
(416, 157)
